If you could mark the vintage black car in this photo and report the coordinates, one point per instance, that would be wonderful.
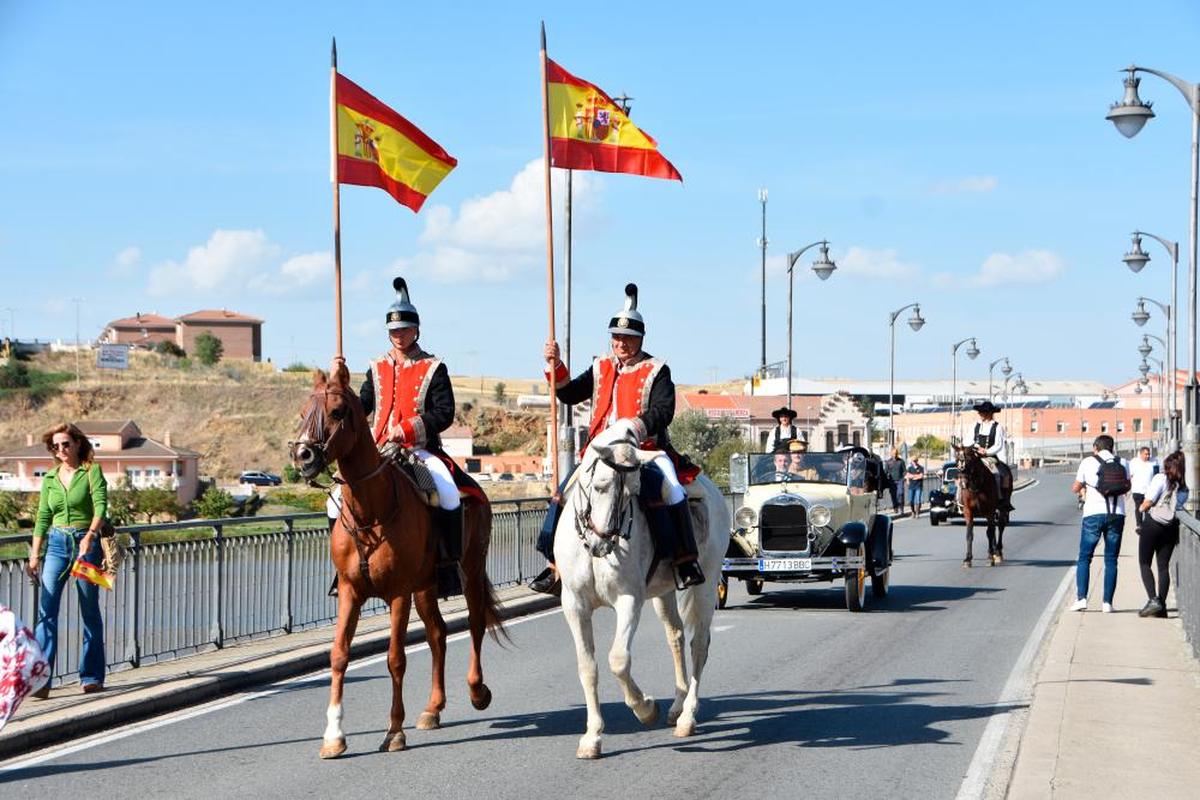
(943, 501)
(810, 517)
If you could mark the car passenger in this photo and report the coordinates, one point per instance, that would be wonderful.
(797, 469)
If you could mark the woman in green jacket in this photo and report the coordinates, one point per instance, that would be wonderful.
(72, 506)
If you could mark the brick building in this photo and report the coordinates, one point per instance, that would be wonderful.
(241, 335)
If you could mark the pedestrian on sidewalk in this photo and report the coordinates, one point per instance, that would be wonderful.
(1105, 478)
(893, 477)
(1158, 531)
(915, 474)
(72, 506)
(1141, 470)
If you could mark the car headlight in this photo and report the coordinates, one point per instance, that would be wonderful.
(819, 516)
(746, 517)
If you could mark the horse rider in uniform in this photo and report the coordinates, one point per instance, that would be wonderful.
(409, 392)
(989, 440)
(630, 390)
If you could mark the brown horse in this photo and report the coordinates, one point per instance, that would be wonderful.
(979, 498)
(384, 545)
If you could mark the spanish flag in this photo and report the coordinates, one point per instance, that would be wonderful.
(378, 147)
(92, 574)
(589, 131)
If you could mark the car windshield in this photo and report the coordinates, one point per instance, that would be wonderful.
(805, 468)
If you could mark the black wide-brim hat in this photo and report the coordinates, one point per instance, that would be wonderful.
(783, 412)
(986, 407)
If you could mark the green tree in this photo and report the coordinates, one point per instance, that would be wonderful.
(215, 503)
(208, 349)
(498, 393)
(122, 502)
(10, 511)
(709, 442)
(291, 474)
(931, 445)
(154, 501)
(168, 348)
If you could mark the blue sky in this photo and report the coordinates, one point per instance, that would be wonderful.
(169, 157)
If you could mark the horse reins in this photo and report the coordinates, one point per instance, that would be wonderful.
(622, 515)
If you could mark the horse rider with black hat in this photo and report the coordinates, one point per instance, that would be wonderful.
(989, 440)
(785, 430)
(409, 392)
(630, 390)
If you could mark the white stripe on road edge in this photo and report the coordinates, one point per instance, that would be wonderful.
(276, 688)
(1017, 687)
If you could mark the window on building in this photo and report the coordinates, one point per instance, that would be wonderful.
(1085, 426)
(39, 473)
(1033, 426)
(95, 443)
(1061, 427)
(1155, 426)
(1104, 427)
(857, 438)
(843, 434)
(1137, 424)
(829, 447)
(1120, 427)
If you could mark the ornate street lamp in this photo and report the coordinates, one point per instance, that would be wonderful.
(972, 353)
(823, 267)
(916, 322)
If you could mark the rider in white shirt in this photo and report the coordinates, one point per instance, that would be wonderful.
(989, 440)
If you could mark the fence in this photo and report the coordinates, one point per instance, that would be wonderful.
(213, 588)
(1187, 578)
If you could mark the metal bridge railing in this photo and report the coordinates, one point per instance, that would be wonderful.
(1187, 578)
(213, 585)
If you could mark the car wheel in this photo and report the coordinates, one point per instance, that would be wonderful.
(879, 584)
(933, 519)
(856, 587)
(722, 592)
(754, 586)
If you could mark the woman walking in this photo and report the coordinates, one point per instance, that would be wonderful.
(1158, 532)
(72, 506)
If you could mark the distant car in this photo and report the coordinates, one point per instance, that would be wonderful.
(506, 476)
(256, 478)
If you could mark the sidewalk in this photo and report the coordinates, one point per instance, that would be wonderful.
(135, 694)
(1116, 702)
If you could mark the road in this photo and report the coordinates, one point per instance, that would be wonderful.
(800, 698)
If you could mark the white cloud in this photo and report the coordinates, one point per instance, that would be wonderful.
(126, 262)
(496, 236)
(239, 260)
(972, 184)
(867, 263)
(1004, 269)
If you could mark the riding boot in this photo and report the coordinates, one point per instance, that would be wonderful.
(687, 566)
(449, 530)
(547, 581)
(1003, 494)
(333, 587)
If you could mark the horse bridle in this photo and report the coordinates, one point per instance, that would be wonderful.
(620, 516)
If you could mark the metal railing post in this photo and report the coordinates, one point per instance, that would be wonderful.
(289, 572)
(219, 583)
(136, 541)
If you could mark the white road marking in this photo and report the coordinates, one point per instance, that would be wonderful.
(182, 716)
(1016, 688)
(722, 628)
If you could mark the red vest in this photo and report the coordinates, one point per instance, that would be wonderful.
(400, 390)
(625, 389)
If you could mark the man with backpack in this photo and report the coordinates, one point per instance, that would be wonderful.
(1105, 479)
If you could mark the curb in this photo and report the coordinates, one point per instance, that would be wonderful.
(188, 689)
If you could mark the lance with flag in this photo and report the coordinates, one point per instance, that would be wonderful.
(373, 145)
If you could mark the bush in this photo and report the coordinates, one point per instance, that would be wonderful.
(122, 502)
(213, 504)
(208, 349)
(157, 501)
(709, 442)
(306, 501)
(10, 511)
(498, 393)
(296, 366)
(169, 348)
(290, 474)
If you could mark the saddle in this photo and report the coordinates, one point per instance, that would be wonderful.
(415, 471)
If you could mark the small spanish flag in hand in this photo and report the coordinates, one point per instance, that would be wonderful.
(92, 574)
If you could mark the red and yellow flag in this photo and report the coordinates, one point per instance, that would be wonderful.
(378, 147)
(589, 131)
(92, 574)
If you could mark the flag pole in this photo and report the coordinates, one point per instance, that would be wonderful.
(549, 263)
(337, 206)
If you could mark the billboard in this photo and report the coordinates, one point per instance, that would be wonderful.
(112, 356)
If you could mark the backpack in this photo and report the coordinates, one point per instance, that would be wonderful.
(1112, 482)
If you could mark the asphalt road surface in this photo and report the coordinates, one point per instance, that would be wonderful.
(800, 698)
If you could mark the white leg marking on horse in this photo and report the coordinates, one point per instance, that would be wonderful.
(333, 724)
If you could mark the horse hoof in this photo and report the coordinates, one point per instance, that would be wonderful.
(393, 743)
(966, 563)
(673, 715)
(429, 721)
(588, 752)
(483, 700)
(684, 729)
(333, 749)
(650, 717)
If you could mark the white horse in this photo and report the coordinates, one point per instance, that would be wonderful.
(604, 550)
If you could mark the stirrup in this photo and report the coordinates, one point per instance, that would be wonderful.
(688, 574)
(547, 582)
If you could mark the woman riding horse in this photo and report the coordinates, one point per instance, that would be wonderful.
(979, 497)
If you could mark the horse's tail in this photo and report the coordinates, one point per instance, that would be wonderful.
(489, 604)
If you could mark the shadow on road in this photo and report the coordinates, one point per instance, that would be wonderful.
(899, 599)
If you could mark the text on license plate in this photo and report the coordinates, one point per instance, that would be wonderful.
(784, 564)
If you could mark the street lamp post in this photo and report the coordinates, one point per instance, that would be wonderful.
(1140, 316)
(972, 352)
(1006, 370)
(916, 322)
(824, 268)
(1129, 115)
(1135, 259)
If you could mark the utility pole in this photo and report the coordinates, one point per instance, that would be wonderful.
(762, 368)
(77, 301)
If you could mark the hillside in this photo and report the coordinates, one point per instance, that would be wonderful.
(237, 415)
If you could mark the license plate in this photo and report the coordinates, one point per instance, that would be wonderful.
(784, 564)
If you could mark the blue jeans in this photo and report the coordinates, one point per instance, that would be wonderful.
(914, 495)
(61, 552)
(1094, 526)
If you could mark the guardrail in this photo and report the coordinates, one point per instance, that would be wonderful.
(1187, 578)
(215, 586)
